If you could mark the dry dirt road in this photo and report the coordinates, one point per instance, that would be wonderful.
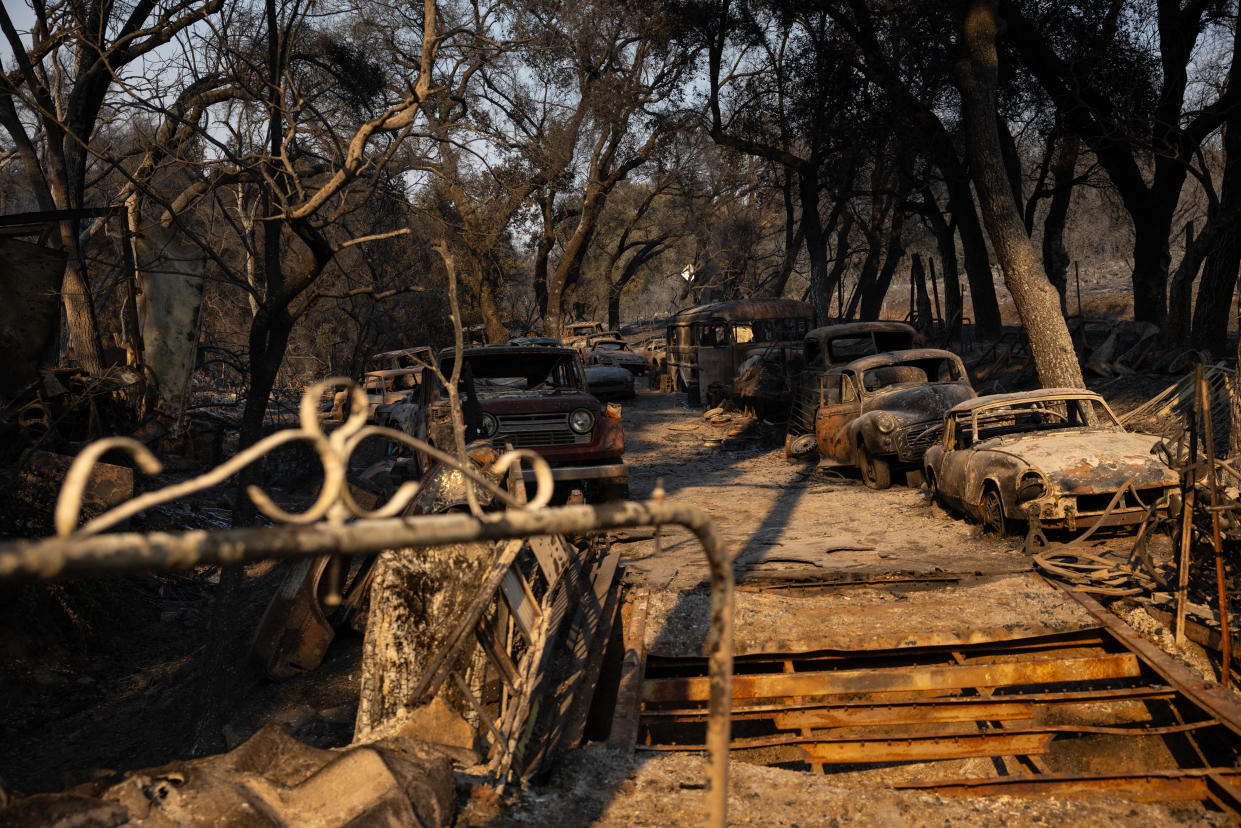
(783, 521)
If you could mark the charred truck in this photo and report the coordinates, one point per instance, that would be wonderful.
(533, 398)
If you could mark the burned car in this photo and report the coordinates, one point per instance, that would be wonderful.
(1058, 455)
(881, 412)
(533, 398)
(610, 382)
(824, 349)
(601, 351)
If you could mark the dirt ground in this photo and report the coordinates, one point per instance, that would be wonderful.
(75, 707)
(784, 519)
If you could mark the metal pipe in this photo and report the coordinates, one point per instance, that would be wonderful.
(62, 557)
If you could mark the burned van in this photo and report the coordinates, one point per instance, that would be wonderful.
(707, 344)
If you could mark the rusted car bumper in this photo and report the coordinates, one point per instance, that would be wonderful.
(1062, 511)
(616, 472)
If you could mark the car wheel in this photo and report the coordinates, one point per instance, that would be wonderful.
(876, 471)
(933, 485)
(800, 446)
(992, 510)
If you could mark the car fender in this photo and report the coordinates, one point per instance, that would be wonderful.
(999, 469)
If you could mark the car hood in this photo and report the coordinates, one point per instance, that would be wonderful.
(534, 401)
(918, 403)
(618, 356)
(1086, 460)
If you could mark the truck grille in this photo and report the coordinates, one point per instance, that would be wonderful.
(536, 430)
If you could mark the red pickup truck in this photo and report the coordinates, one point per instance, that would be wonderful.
(533, 398)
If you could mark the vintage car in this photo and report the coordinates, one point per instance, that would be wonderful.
(533, 398)
(580, 330)
(610, 382)
(1057, 454)
(613, 352)
(824, 349)
(384, 389)
(416, 357)
(880, 412)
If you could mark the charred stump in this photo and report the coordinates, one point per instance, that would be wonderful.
(416, 597)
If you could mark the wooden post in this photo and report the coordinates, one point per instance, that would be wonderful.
(1182, 567)
(1209, 437)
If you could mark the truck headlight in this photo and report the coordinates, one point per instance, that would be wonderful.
(885, 422)
(490, 425)
(581, 421)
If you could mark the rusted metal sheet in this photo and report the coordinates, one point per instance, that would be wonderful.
(915, 705)
(904, 679)
(921, 750)
(1175, 785)
(904, 714)
(629, 694)
(1206, 695)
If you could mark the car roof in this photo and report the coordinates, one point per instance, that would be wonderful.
(999, 400)
(743, 310)
(856, 328)
(897, 357)
(522, 350)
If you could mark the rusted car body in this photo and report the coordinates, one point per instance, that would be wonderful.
(881, 412)
(580, 330)
(533, 398)
(824, 349)
(1058, 455)
(610, 382)
(384, 389)
(416, 357)
(607, 351)
(707, 344)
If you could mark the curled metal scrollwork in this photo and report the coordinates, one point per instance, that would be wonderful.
(334, 451)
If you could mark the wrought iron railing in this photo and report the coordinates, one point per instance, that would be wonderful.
(335, 524)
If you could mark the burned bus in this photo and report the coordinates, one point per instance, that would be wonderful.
(707, 344)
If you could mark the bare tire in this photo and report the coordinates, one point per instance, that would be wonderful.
(991, 508)
(876, 472)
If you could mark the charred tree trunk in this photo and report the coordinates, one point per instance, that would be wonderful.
(1037, 301)
(417, 597)
(1055, 255)
(547, 238)
(1181, 288)
(945, 240)
(986, 307)
(922, 298)
(1219, 276)
(816, 243)
(894, 253)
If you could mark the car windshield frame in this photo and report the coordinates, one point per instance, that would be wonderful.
(924, 365)
(1040, 414)
(524, 372)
